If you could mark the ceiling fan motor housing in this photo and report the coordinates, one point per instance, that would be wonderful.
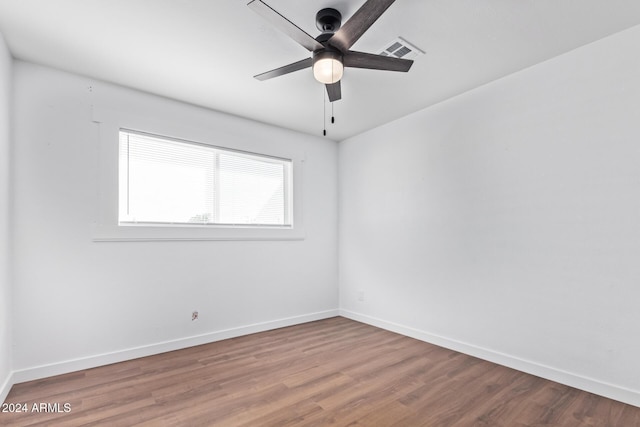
(328, 20)
(327, 53)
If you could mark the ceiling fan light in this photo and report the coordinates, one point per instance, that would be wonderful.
(327, 67)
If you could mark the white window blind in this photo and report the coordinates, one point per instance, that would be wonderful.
(168, 181)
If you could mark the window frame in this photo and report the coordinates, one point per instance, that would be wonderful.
(107, 227)
(287, 176)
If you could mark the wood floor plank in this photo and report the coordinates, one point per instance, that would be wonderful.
(331, 372)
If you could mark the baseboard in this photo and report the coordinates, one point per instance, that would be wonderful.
(67, 366)
(6, 387)
(611, 391)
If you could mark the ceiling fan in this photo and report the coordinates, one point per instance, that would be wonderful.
(331, 48)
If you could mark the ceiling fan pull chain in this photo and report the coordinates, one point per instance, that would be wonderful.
(333, 119)
(324, 113)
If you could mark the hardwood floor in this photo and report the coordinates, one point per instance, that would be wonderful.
(330, 372)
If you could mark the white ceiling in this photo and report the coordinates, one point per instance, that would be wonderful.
(205, 52)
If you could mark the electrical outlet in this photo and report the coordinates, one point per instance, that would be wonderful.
(361, 295)
(194, 315)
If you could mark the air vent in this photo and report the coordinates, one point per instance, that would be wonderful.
(400, 48)
(393, 47)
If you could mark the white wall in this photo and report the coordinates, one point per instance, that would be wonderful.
(81, 303)
(5, 245)
(506, 222)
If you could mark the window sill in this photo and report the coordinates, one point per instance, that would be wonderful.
(128, 233)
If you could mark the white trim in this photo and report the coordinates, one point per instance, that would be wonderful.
(115, 233)
(611, 391)
(44, 371)
(6, 387)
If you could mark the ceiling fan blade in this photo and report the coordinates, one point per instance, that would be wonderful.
(300, 65)
(360, 22)
(376, 62)
(284, 25)
(334, 91)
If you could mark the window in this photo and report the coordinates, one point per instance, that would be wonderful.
(168, 181)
